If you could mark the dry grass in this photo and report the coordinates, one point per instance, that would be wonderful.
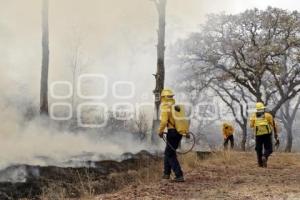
(84, 186)
(235, 175)
(191, 161)
(53, 192)
(224, 175)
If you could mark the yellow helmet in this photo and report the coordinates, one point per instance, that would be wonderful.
(226, 124)
(260, 106)
(167, 93)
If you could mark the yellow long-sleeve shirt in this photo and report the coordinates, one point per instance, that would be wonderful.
(268, 117)
(166, 117)
(227, 130)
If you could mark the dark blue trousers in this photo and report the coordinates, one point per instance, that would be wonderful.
(264, 147)
(170, 160)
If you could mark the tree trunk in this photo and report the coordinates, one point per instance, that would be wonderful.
(244, 139)
(289, 139)
(45, 60)
(160, 73)
(288, 119)
(75, 73)
(259, 96)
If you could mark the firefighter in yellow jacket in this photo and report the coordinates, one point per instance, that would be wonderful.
(263, 125)
(173, 136)
(228, 135)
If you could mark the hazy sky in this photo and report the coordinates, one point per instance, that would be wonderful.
(116, 37)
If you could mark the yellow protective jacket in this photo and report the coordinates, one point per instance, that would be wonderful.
(166, 117)
(263, 125)
(227, 131)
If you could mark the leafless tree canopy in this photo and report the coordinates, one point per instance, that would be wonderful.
(259, 50)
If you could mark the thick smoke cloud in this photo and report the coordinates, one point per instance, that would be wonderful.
(117, 38)
(39, 143)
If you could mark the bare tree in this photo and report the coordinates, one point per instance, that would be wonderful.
(160, 73)
(287, 115)
(259, 50)
(45, 60)
(237, 100)
(191, 80)
(248, 57)
(140, 125)
(75, 64)
(78, 61)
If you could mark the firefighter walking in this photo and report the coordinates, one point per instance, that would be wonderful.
(171, 118)
(264, 126)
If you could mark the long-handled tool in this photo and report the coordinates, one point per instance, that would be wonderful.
(192, 139)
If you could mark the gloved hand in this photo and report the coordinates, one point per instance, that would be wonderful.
(188, 136)
(161, 135)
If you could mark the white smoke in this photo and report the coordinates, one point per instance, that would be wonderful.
(40, 142)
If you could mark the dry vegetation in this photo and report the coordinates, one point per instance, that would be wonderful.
(85, 184)
(229, 175)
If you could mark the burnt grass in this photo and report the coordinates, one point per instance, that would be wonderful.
(96, 177)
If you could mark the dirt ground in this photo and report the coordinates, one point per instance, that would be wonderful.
(229, 175)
